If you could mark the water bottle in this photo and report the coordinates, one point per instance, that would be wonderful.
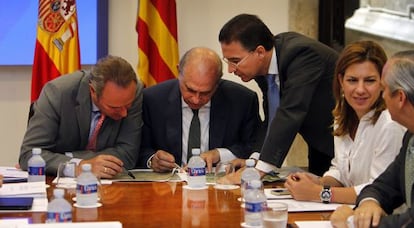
(255, 202)
(59, 210)
(86, 187)
(36, 166)
(196, 170)
(249, 174)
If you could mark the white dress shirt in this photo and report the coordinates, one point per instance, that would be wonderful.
(358, 162)
(204, 116)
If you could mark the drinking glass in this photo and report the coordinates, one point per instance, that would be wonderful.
(222, 170)
(65, 174)
(275, 215)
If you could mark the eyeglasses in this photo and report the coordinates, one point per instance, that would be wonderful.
(236, 63)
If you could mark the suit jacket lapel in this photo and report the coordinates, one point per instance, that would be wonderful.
(83, 109)
(219, 110)
(174, 122)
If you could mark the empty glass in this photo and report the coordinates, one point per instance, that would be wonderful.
(222, 170)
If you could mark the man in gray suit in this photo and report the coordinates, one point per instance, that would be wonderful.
(65, 116)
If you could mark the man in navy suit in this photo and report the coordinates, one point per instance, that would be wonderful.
(228, 114)
(300, 70)
(394, 186)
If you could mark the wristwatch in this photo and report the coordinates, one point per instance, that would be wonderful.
(326, 194)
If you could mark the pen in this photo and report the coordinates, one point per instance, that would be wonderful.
(129, 173)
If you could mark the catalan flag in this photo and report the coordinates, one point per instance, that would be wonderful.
(57, 43)
(157, 41)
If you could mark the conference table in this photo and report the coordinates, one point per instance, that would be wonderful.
(163, 204)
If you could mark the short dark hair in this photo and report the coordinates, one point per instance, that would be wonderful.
(249, 30)
(114, 69)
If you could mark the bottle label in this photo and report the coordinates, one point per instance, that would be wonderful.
(59, 216)
(253, 207)
(87, 189)
(38, 171)
(197, 171)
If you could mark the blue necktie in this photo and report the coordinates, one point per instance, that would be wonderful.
(272, 96)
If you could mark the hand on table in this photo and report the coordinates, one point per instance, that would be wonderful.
(340, 216)
(103, 166)
(368, 214)
(210, 157)
(162, 161)
(302, 186)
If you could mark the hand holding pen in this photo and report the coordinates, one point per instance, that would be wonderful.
(162, 161)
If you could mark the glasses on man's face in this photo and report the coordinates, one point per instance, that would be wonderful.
(235, 62)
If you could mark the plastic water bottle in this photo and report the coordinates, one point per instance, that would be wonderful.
(249, 174)
(86, 187)
(36, 166)
(196, 170)
(255, 202)
(59, 210)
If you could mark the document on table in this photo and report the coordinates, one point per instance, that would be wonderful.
(12, 175)
(37, 190)
(314, 224)
(145, 175)
(300, 206)
(27, 188)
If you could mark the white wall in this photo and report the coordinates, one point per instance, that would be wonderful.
(199, 22)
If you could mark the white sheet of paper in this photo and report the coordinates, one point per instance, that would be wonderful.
(13, 223)
(314, 224)
(12, 172)
(25, 188)
(70, 182)
(298, 206)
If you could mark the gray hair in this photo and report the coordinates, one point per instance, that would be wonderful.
(400, 74)
(114, 69)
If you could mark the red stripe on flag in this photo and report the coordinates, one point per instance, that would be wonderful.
(167, 15)
(157, 67)
(43, 70)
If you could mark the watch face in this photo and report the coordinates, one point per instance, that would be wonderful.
(326, 194)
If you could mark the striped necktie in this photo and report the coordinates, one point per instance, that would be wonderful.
(94, 136)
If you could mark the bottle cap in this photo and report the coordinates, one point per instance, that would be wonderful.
(36, 151)
(195, 151)
(58, 192)
(250, 162)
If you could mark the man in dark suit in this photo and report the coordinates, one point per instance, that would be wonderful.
(300, 70)
(228, 114)
(395, 185)
(62, 124)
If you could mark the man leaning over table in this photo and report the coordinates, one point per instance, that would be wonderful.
(228, 114)
(394, 186)
(295, 75)
(69, 109)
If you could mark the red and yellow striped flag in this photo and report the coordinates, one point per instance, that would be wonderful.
(157, 41)
(57, 43)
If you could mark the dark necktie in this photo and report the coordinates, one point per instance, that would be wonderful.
(92, 139)
(193, 134)
(272, 96)
(409, 170)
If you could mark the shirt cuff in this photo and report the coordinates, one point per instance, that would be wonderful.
(265, 167)
(149, 161)
(225, 154)
(255, 155)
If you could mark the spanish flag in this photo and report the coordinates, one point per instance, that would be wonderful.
(57, 43)
(157, 41)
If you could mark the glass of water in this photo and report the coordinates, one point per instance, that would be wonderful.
(275, 215)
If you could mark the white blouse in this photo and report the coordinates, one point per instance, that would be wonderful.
(358, 162)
